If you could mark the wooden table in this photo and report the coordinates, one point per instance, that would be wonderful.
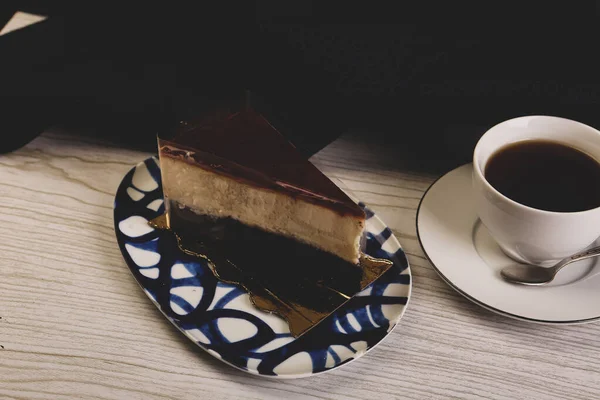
(74, 323)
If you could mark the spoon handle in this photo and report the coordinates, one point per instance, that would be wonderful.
(593, 252)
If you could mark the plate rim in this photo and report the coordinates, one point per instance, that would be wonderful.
(469, 297)
(406, 271)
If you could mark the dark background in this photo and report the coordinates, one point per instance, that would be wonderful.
(430, 76)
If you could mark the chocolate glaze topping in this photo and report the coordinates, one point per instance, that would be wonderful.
(244, 146)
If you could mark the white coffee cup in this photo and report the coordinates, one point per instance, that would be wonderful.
(527, 234)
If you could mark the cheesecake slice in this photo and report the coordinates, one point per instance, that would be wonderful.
(234, 170)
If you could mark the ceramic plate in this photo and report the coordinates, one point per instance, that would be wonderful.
(220, 318)
(464, 254)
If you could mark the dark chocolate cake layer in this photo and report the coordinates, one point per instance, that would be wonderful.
(292, 270)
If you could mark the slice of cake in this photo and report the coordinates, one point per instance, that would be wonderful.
(233, 174)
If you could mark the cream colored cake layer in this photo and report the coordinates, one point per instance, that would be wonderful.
(206, 192)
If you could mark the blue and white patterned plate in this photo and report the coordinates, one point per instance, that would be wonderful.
(220, 318)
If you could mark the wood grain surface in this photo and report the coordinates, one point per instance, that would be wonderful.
(74, 323)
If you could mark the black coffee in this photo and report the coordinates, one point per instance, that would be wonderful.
(546, 175)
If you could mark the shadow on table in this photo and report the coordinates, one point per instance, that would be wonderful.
(430, 150)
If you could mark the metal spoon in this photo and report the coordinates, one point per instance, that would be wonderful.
(534, 275)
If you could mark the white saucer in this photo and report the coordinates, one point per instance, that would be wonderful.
(463, 253)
